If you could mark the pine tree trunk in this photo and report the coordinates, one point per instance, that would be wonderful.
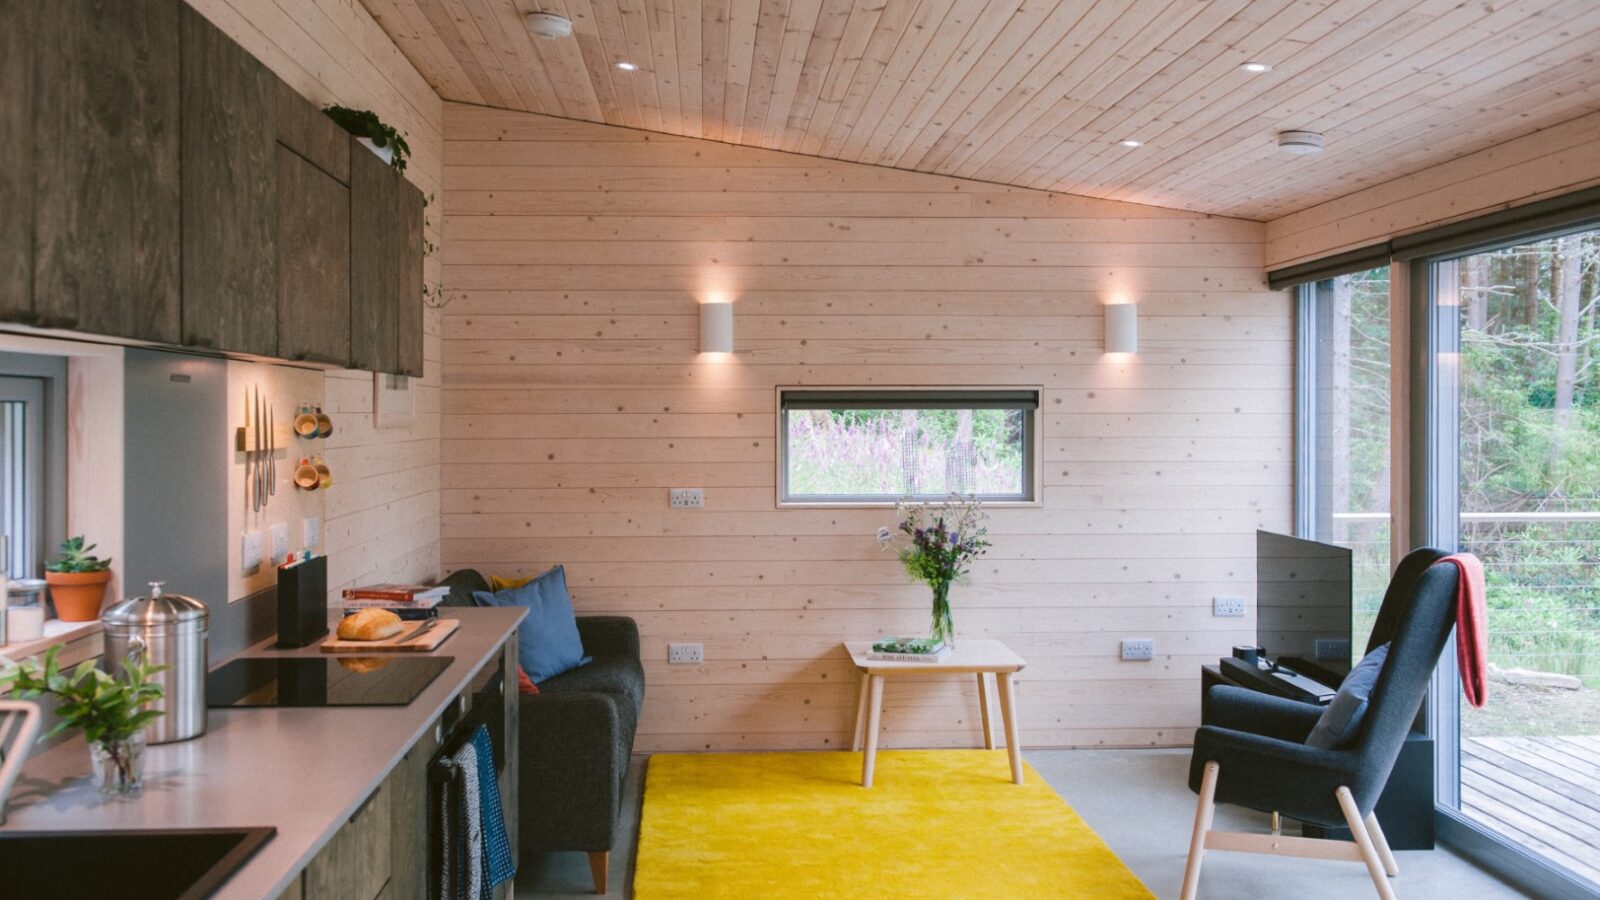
(1566, 287)
(1475, 290)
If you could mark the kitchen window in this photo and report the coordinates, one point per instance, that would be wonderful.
(874, 447)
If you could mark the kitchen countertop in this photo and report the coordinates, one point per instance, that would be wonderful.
(303, 771)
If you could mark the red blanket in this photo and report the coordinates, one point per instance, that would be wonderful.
(1472, 634)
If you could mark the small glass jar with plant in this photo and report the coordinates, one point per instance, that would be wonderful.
(111, 711)
(937, 544)
(77, 580)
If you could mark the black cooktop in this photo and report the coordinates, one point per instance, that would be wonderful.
(328, 681)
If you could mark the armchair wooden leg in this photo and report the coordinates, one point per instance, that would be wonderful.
(1382, 843)
(1369, 853)
(599, 867)
(1203, 812)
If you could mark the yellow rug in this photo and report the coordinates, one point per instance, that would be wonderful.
(937, 823)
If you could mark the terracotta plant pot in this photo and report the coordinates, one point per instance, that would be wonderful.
(78, 595)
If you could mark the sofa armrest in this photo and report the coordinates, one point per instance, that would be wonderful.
(609, 636)
(570, 787)
(1241, 709)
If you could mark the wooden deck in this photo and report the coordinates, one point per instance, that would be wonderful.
(1543, 793)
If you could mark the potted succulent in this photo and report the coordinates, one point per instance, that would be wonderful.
(370, 130)
(77, 581)
(111, 711)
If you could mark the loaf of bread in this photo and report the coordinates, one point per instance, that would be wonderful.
(370, 625)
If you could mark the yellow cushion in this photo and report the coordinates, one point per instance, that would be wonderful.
(498, 584)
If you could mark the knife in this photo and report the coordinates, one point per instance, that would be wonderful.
(272, 460)
(417, 632)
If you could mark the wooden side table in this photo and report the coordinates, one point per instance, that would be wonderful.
(970, 657)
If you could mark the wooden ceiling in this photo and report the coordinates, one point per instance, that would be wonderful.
(1041, 93)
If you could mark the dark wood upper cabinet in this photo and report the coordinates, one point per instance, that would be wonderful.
(409, 295)
(106, 154)
(313, 303)
(303, 128)
(16, 150)
(230, 209)
(376, 244)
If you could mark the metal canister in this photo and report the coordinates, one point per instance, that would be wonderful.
(166, 630)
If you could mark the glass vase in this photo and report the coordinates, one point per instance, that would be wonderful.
(119, 764)
(944, 627)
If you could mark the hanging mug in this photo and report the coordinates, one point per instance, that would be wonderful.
(306, 476)
(324, 424)
(305, 424)
(324, 474)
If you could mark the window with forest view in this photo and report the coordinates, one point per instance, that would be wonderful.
(1347, 382)
(1524, 370)
(881, 446)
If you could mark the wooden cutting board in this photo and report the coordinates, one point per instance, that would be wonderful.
(422, 643)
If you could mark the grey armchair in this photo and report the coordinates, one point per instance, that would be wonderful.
(1251, 750)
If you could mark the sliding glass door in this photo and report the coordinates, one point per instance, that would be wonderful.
(1514, 472)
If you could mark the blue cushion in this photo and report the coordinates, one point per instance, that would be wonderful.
(1342, 719)
(548, 644)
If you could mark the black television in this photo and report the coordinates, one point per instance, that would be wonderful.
(1303, 605)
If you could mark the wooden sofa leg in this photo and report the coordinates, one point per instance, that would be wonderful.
(1369, 853)
(599, 866)
(1204, 810)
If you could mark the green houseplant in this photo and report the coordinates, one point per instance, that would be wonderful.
(111, 711)
(940, 543)
(365, 124)
(77, 580)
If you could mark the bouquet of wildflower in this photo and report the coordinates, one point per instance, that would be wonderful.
(939, 544)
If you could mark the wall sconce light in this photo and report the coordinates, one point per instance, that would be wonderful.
(1122, 328)
(716, 327)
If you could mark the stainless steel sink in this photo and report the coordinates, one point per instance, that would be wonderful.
(169, 864)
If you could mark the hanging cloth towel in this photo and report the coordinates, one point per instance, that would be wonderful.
(473, 866)
(1472, 633)
(497, 846)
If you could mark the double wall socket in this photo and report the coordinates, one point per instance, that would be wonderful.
(686, 498)
(1139, 648)
(1227, 606)
(685, 654)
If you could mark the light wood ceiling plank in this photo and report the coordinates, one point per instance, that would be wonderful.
(714, 26)
(405, 24)
(563, 65)
(507, 34)
(872, 25)
(744, 23)
(771, 28)
(596, 61)
(610, 46)
(638, 49)
(884, 59)
(686, 30)
(832, 20)
(663, 24)
(444, 23)
(798, 34)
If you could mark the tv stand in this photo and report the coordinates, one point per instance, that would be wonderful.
(1405, 809)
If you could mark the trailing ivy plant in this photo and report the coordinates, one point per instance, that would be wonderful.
(364, 123)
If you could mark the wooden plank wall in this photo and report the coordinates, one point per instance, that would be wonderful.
(574, 398)
(1544, 164)
(383, 511)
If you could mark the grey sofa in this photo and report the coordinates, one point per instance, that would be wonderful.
(575, 739)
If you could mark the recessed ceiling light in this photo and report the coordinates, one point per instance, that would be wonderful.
(626, 66)
(1300, 143)
(1257, 67)
(549, 25)
(1132, 143)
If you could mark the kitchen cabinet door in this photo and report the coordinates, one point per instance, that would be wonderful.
(355, 863)
(409, 295)
(409, 819)
(230, 214)
(313, 243)
(106, 182)
(376, 241)
(303, 128)
(16, 149)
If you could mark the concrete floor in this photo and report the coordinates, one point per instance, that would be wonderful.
(1139, 801)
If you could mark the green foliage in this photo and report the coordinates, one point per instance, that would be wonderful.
(365, 123)
(75, 557)
(942, 541)
(106, 708)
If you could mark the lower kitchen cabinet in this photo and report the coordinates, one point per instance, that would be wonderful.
(356, 863)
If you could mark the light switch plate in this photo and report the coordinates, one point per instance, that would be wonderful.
(250, 554)
(1138, 648)
(686, 498)
(311, 531)
(280, 542)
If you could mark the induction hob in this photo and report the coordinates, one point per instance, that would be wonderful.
(328, 681)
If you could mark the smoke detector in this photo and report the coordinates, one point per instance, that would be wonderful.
(549, 25)
(1300, 143)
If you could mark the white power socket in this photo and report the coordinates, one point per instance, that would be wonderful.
(311, 532)
(1232, 607)
(251, 551)
(685, 654)
(280, 542)
(1139, 648)
(686, 498)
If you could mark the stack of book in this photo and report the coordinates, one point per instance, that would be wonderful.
(893, 649)
(408, 601)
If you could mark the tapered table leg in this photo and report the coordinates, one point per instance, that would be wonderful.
(1008, 711)
(874, 711)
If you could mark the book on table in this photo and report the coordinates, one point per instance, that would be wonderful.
(893, 649)
(397, 593)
